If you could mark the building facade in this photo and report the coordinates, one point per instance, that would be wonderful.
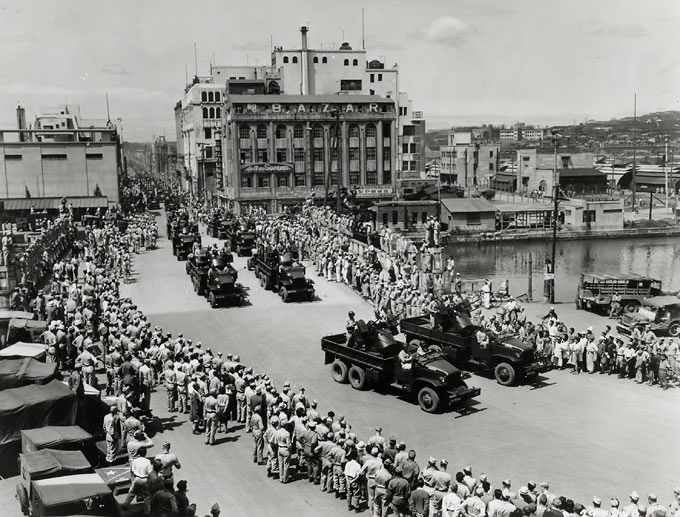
(467, 164)
(61, 156)
(280, 149)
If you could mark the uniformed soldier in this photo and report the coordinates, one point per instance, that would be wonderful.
(258, 436)
(170, 378)
(282, 440)
(210, 417)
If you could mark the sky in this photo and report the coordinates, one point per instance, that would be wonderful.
(461, 61)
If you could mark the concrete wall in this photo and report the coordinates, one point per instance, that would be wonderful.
(580, 214)
(486, 221)
(53, 170)
(404, 214)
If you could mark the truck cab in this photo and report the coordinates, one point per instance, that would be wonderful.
(661, 313)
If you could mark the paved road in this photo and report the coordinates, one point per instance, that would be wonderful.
(586, 434)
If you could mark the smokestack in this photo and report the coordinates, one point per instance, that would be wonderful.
(303, 31)
(21, 122)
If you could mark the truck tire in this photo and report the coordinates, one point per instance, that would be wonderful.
(505, 374)
(357, 377)
(339, 371)
(284, 294)
(428, 399)
(212, 300)
(631, 306)
(22, 496)
(262, 283)
(674, 329)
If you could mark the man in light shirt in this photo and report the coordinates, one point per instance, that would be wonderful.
(140, 468)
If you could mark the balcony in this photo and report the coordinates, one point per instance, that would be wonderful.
(244, 143)
(262, 143)
(317, 142)
(354, 141)
(281, 143)
(370, 141)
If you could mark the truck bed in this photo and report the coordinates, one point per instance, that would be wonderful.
(419, 327)
(336, 346)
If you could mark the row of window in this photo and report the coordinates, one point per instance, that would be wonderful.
(395, 218)
(212, 113)
(210, 96)
(317, 155)
(408, 165)
(89, 156)
(299, 131)
(454, 153)
(318, 180)
(324, 60)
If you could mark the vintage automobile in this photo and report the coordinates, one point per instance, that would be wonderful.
(661, 313)
(78, 494)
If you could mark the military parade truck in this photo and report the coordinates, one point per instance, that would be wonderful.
(197, 268)
(218, 227)
(509, 358)
(280, 274)
(595, 291)
(373, 360)
(183, 244)
(221, 287)
(241, 238)
(661, 313)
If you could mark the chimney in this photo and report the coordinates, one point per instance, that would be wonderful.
(303, 31)
(21, 122)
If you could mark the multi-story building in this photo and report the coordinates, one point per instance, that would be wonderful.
(467, 164)
(163, 157)
(324, 80)
(532, 134)
(535, 169)
(510, 135)
(62, 155)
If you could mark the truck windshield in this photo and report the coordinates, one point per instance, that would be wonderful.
(296, 272)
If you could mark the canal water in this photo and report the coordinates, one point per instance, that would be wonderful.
(655, 257)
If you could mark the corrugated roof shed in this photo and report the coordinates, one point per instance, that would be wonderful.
(467, 205)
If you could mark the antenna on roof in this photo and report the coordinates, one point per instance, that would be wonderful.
(186, 73)
(363, 42)
(108, 115)
(195, 59)
(271, 44)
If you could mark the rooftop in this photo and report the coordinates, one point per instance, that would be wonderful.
(467, 204)
(301, 99)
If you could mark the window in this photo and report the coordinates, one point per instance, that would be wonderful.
(379, 77)
(300, 180)
(355, 62)
(54, 157)
(281, 155)
(414, 218)
(354, 154)
(354, 177)
(318, 179)
(212, 112)
(404, 148)
(246, 181)
(404, 165)
(491, 168)
(371, 92)
(94, 156)
(395, 218)
(324, 59)
(211, 97)
(299, 154)
(372, 78)
(244, 132)
(204, 96)
(423, 217)
(473, 219)
(385, 219)
(413, 149)
(13, 157)
(285, 59)
(346, 62)
(299, 131)
(205, 113)
(350, 84)
(387, 176)
(315, 60)
(409, 130)
(261, 131)
(589, 216)
(208, 153)
(566, 161)
(317, 131)
(371, 130)
(218, 113)
(413, 165)
(217, 96)
(207, 132)
(371, 153)
(262, 155)
(246, 156)
(263, 181)
(317, 154)
(294, 59)
(354, 131)
(282, 180)
(280, 131)
(490, 154)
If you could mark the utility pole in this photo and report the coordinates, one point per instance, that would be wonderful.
(556, 193)
(633, 176)
(338, 150)
(665, 170)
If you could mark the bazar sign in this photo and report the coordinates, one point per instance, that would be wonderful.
(312, 108)
(267, 167)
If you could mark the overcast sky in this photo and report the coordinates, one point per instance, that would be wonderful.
(461, 61)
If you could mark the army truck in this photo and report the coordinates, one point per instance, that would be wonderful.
(221, 286)
(661, 313)
(595, 291)
(241, 237)
(508, 358)
(371, 359)
(183, 244)
(279, 273)
(197, 268)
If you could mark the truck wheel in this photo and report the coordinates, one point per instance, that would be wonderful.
(283, 293)
(631, 307)
(428, 399)
(195, 286)
(339, 371)
(262, 282)
(674, 329)
(505, 374)
(212, 300)
(22, 496)
(199, 290)
(357, 377)
(311, 297)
